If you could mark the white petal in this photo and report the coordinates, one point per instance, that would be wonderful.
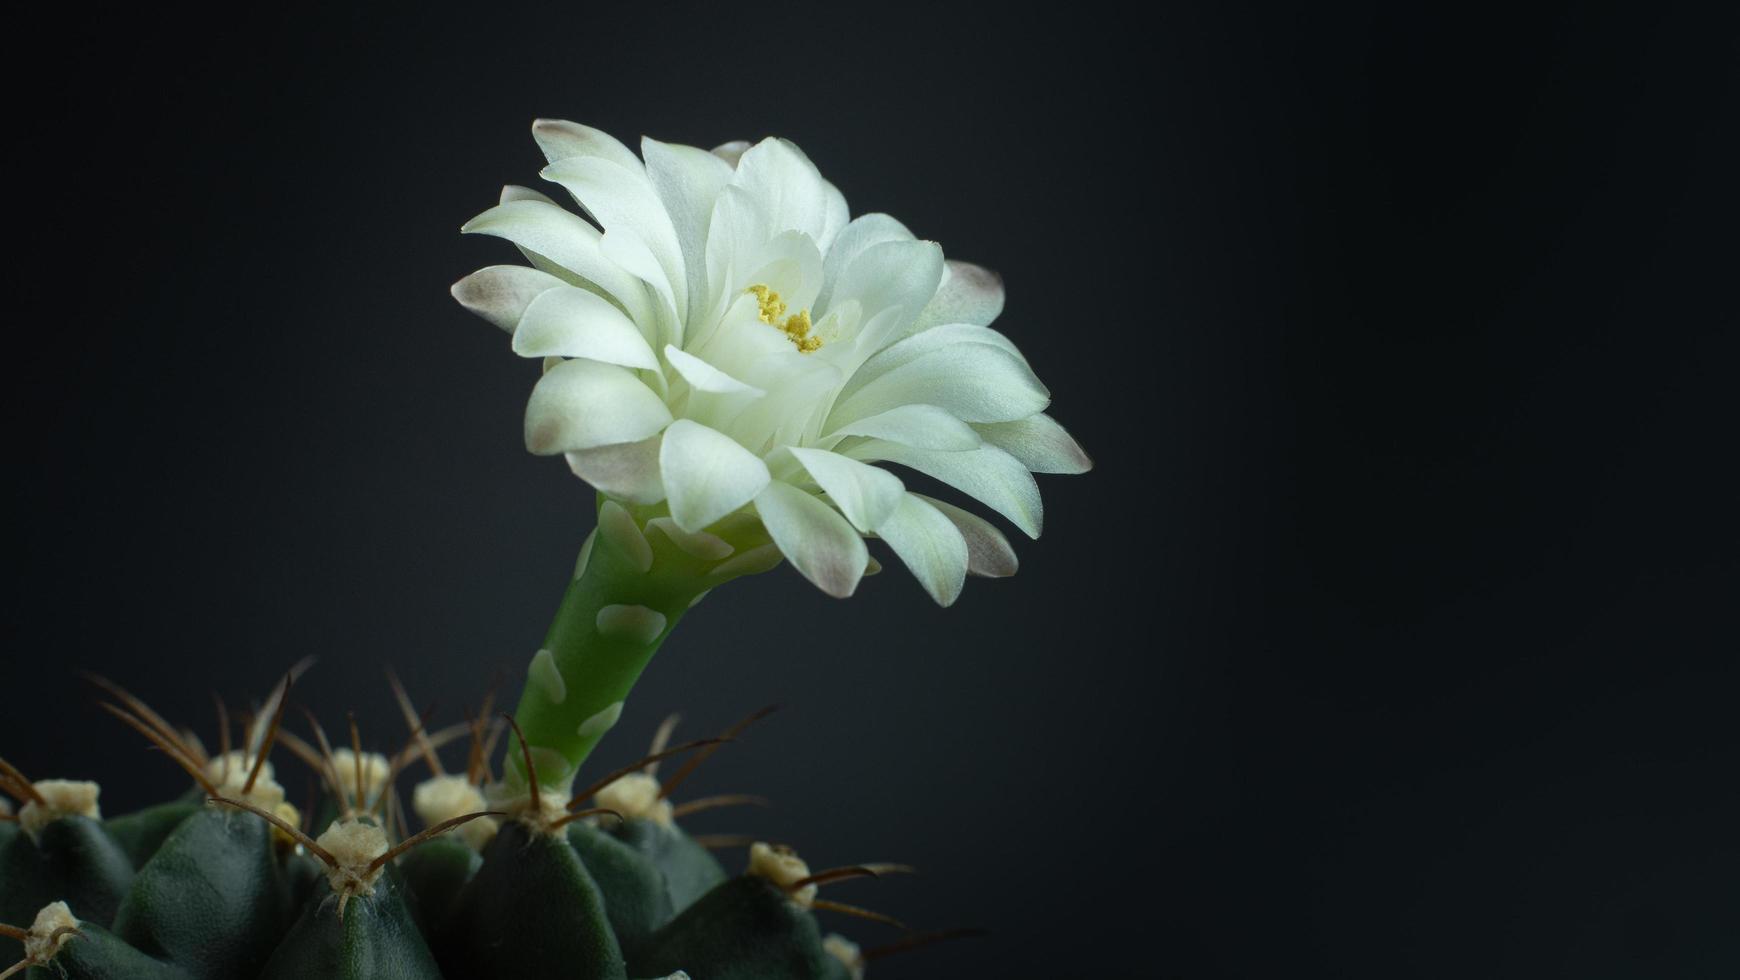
(911, 348)
(968, 294)
(571, 322)
(561, 139)
(584, 404)
(790, 264)
(736, 230)
(705, 377)
(988, 550)
(731, 152)
(866, 494)
(838, 215)
(626, 205)
(921, 426)
(568, 243)
(893, 275)
(500, 293)
(863, 232)
(1039, 443)
(688, 180)
(707, 474)
(782, 181)
(514, 192)
(972, 382)
(814, 537)
(987, 474)
(929, 544)
(627, 470)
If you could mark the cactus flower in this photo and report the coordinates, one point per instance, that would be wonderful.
(728, 359)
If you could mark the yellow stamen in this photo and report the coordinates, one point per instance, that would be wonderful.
(796, 327)
(772, 307)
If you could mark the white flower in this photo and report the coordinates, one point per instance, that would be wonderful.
(732, 342)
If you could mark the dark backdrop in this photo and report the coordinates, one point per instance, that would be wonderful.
(1393, 634)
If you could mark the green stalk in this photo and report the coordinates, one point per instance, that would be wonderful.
(633, 582)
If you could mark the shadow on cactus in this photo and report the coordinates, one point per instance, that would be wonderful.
(731, 364)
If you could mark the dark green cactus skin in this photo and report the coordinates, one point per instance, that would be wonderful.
(141, 834)
(533, 910)
(689, 869)
(636, 896)
(97, 954)
(435, 873)
(745, 929)
(212, 900)
(217, 898)
(375, 939)
(303, 876)
(75, 861)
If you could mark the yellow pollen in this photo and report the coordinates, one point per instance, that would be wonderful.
(796, 327)
(772, 307)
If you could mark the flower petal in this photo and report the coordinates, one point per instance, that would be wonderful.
(561, 139)
(688, 180)
(1039, 443)
(930, 545)
(583, 404)
(921, 426)
(500, 293)
(731, 152)
(972, 382)
(567, 243)
(988, 550)
(892, 275)
(790, 192)
(735, 231)
(968, 294)
(515, 192)
(836, 217)
(571, 322)
(863, 232)
(814, 538)
(626, 470)
(987, 474)
(626, 205)
(866, 494)
(707, 474)
(705, 377)
(911, 348)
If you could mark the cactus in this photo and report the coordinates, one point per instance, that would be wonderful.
(228, 880)
(729, 361)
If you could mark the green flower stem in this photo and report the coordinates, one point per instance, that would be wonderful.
(636, 577)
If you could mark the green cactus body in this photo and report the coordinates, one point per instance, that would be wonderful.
(233, 889)
(435, 873)
(71, 859)
(689, 870)
(140, 834)
(745, 929)
(97, 954)
(212, 900)
(637, 897)
(375, 938)
(533, 910)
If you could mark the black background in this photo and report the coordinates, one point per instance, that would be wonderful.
(1392, 634)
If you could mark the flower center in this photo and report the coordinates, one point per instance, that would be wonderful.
(796, 327)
